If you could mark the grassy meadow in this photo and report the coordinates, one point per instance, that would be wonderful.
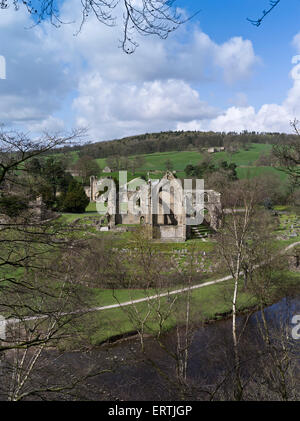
(245, 160)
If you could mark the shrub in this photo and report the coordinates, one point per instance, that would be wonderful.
(12, 205)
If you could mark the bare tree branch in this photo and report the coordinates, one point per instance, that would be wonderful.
(272, 5)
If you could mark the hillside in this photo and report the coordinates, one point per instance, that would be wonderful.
(150, 143)
(149, 152)
(245, 159)
(156, 161)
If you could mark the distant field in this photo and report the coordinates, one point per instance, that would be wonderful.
(155, 163)
(180, 160)
(249, 172)
(244, 159)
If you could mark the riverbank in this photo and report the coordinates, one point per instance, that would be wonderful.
(151, 375)
(207, 304)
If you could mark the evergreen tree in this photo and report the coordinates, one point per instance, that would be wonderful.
(75, 200)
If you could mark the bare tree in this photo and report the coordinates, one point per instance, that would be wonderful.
(39, 297)
(278, 370)
(232, 248)
(136, 162)
(261, 367)
(25, 238)
(85, 168)
(16, 148)
(45, 320)
(164, 309)
(288, 155)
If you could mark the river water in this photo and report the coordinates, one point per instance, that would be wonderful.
(210, 362)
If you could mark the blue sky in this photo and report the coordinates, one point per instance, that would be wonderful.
(216, 72)
(272, 41)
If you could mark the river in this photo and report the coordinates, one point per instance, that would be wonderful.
(210, 362)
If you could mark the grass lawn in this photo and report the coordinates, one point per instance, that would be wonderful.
(70, 217)
(250, 172)
(207, 303)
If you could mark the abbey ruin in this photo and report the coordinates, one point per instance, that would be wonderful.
(159, 204)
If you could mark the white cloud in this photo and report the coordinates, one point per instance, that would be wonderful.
(236, 57)
(50, 124)
(151, 90)
(198, 58)
(35, 83)
(114, 94)
(134, 108)
(190, 125)
(268, 118)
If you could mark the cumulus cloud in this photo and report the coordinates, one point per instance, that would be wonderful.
(268, 118)
(236, 57)
(50, 124)
(198, 58)
(132, 108)
(113, 94)
(36, 82)
(117, 95)
(153, 89)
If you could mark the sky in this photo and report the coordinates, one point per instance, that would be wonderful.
(216, 72)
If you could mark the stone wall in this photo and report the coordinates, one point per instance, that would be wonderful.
(128, 219)
(172, 233)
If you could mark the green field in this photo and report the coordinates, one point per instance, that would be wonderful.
(180, 160)
(250, 172)
(155, 162)
(207, 303)
(245, 160)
